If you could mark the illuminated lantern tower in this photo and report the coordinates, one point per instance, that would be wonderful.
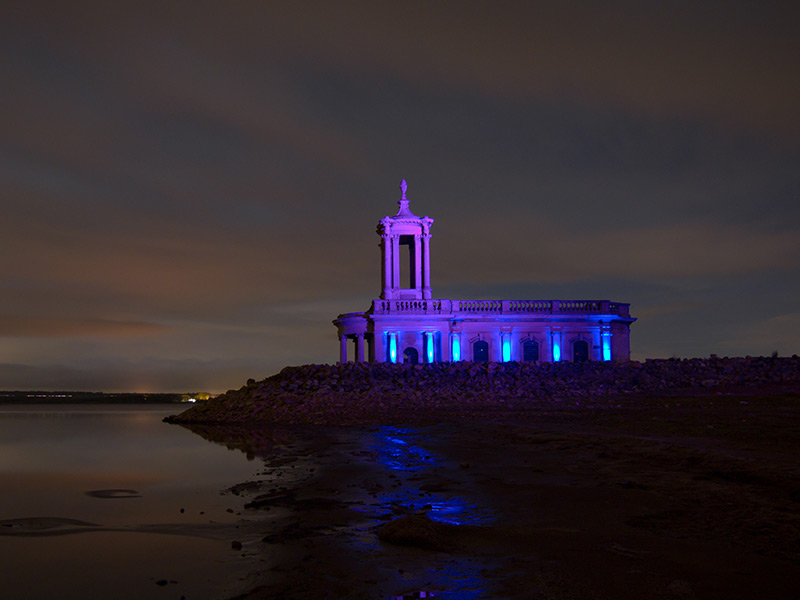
(405, 242)
(407, 325)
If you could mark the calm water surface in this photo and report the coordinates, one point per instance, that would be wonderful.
(58, 541)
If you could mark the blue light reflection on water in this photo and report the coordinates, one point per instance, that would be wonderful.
(397, 454)
(395, 450)
(457, 511)
(462, 580)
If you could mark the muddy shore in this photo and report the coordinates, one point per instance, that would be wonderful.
(675, 496)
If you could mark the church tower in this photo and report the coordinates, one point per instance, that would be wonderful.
(405, 253)
(406, 324)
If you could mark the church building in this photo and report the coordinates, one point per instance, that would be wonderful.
(406, 324)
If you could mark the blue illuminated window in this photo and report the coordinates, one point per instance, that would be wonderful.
(429, 346)
(456, 349)
(506, 349)
(392, 348)
(606, 346)
(556, 352)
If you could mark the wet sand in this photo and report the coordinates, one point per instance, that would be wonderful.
(666, 498)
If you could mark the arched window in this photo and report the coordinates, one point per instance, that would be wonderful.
(411, 356)
(480, 351)
(580, 351)
(530, 351)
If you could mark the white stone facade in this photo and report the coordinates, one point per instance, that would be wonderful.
(406, 325)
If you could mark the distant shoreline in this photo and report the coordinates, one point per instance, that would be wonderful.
(68, 397)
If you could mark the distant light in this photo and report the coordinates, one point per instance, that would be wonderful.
(191, 399)
(429, 339)
(556, 352)
(456, 349)
(506, 349)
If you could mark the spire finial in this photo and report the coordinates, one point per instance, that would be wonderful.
(403, 202)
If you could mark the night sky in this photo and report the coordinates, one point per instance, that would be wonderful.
(190, 190)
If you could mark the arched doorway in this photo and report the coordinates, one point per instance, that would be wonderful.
(411, 356)
(480, 351)
(530, 351)
(580, 351)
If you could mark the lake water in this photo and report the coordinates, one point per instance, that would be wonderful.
(106, 501)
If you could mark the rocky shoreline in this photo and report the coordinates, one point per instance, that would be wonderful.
(379, 393)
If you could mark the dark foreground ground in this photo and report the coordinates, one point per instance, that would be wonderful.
(657, 498)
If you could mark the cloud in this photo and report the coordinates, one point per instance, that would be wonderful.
(136, 262)
(203, 180)
(688, 250)
(538, 249)
(657, 310)
(718, 62)
(779, 333)
(20, 326)
(167, 376)
(713, 62)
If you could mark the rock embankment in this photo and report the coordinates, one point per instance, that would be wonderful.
(372, 393)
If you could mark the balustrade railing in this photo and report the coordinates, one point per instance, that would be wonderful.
(578, 306)
(495, 307)
(420, 307)
(545, 306)
(482, 306)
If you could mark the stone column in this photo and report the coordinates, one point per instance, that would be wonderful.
(546, 347)
(395, 276)
(426, 266)
(342, 348)
(359, 347)
(596, 345)
(386, 246)
(379, 346)
(418, 265)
